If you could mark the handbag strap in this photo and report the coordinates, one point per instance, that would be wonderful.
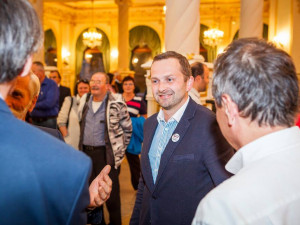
(69, 112)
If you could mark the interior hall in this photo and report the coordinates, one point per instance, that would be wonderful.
(129, 33)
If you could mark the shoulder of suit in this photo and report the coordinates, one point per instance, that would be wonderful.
(64, 87)
(151, 119)
(39, 140)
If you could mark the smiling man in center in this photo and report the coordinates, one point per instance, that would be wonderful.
(184, 152)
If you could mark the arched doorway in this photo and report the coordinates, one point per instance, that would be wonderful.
(50, 47)
(144, 44)
(91, 60)
(208, 52)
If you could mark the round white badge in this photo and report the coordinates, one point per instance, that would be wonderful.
(175, 137)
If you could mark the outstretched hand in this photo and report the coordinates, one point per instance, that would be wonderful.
(100, 188)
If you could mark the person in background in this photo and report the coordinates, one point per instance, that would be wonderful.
(63, 91)
(183, 153)
(200, 73)
(138, 111)
(256, 90)
(68, 120)
(43, 180)
(23, 99)
(46, 109)
(105, 131)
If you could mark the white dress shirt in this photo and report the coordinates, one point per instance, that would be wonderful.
(195, 95)
(265, 188)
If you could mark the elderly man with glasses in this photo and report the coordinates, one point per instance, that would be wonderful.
(105, 131)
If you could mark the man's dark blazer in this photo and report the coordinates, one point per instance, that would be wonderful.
(189, 169)
(63, 92)
(54, 132)
(42, 180)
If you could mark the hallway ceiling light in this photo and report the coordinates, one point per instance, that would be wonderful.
(92, 37)
(214, 36)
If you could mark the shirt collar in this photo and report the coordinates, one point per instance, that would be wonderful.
(262, 147)
(195, 92)
(177, 116)
(1, 97)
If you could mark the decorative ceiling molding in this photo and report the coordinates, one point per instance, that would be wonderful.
(149, 13)
(57, 12)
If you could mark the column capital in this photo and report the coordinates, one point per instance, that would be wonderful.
(123, 2)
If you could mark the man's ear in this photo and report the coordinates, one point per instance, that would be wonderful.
(230, 109)
(33, 102)
(27, 67)
(190, 83)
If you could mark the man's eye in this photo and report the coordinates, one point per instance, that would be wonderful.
(170, 79)
(16, 94)
(154, 81)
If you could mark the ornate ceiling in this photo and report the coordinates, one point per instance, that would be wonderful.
(207, 7)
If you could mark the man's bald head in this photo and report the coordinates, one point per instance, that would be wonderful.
(24, 96)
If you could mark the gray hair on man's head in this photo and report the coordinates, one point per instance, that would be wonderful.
(20, 36)
(261, 79)
(34, 85)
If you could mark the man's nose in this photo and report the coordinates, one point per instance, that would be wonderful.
(162, 86)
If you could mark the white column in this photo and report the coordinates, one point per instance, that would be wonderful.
(251, 18)
(295, 31)
(182, 26)
(123, 41)
(39, 8)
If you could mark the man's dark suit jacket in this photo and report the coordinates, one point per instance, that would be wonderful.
(63, 92)
(42, 180)
(54, 132)
(189, 169)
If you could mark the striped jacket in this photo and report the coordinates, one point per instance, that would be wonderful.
(118, 127)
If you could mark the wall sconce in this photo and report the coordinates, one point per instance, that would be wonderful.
(65, 56)
(114, 53)
(281, 40)
(164, 10)
(135, 60)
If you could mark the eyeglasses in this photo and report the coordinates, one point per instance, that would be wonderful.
(95, 81)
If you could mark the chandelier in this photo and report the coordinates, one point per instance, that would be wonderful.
(92, 37)
(214, 36)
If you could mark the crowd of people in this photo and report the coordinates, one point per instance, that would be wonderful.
(188, 164)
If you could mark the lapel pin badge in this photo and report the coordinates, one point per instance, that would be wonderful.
(175, 137)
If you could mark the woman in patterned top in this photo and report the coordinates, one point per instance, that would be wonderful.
(136, 108)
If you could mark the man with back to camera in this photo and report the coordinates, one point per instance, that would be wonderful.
(200, 72)
(257, 97)
(183, 153)
(43, 180)
(63, 91)
(22, 100)
(46, 108)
